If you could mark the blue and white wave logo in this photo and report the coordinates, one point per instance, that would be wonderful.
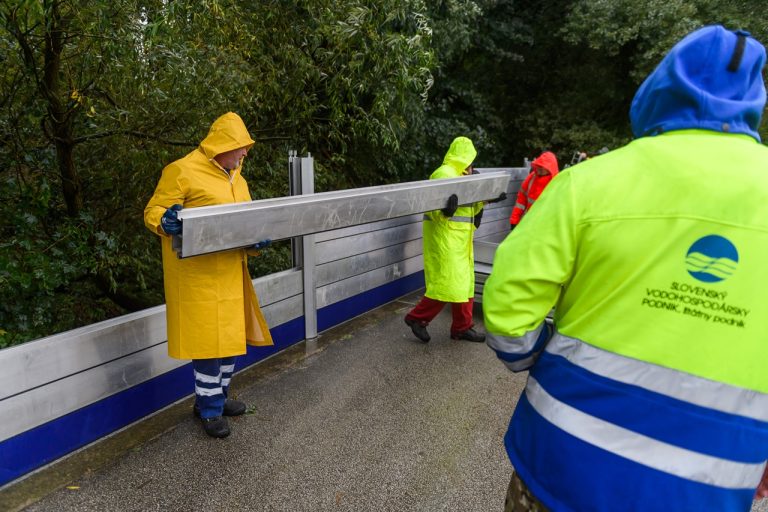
(712, 259)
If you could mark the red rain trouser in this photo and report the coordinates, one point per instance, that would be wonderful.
(427, 309)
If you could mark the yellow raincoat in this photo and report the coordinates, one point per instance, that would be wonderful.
(449, 266)
(211, 305)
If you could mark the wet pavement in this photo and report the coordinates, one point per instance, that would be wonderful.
(372, 420)
(366, 418)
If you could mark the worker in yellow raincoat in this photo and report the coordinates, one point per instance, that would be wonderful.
(448, 255)
(211, 307)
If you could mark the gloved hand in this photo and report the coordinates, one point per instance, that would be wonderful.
(512, 227)
(499, 199)
(170, 221)
(262, 244)
(478, 218)
(452, 206)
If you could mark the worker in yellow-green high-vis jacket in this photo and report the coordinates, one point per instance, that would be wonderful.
(449, 269)
(650, 391)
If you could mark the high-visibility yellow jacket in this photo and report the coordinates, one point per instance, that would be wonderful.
(652, 389)
(448, 255)
(210, 302)
(651, 393)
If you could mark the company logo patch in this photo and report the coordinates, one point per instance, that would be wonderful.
(712, 259)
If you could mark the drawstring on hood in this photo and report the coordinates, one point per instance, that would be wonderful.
(710, 80)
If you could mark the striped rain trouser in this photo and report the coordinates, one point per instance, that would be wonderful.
(212, 377)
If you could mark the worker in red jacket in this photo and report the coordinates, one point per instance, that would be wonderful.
(543, 169)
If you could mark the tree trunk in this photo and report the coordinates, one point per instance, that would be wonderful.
(59, 118)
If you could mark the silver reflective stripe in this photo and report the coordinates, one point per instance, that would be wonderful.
(666, 381)
(208, 392)
(207, 379)
(514, 345)
(642, 449)
(530, 187)
(519, 205)
(520, 345)
(455, 219)
(521, 364)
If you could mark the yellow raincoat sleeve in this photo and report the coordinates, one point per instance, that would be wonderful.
(533, 263)
(169, 191)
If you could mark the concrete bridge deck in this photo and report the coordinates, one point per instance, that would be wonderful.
(367, 418)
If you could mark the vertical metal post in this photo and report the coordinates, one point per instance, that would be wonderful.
(307, 165)
(294, 189)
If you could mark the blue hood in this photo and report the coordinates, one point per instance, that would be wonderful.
(710, 80)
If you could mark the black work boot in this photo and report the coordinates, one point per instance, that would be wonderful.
(420, 331)
(234, 407)
(216, 427)
(469, 335)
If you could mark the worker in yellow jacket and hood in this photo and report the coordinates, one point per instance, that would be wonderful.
(211, 306)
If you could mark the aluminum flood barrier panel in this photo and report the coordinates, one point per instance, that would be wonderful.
(62, 392)
(218, 228)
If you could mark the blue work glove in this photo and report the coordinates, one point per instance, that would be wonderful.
(263, 244)
(170, 221)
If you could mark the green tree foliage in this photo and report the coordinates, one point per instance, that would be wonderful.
(475, 43)
(100, 96)
(96, 97)
(638, 34)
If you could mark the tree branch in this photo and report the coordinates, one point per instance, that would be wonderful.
(132, 133)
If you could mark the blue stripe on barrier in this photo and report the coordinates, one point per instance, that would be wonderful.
(44, 444)
(343, 310)
(41, 445)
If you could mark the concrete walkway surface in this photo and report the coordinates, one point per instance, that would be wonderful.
(371, 420)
